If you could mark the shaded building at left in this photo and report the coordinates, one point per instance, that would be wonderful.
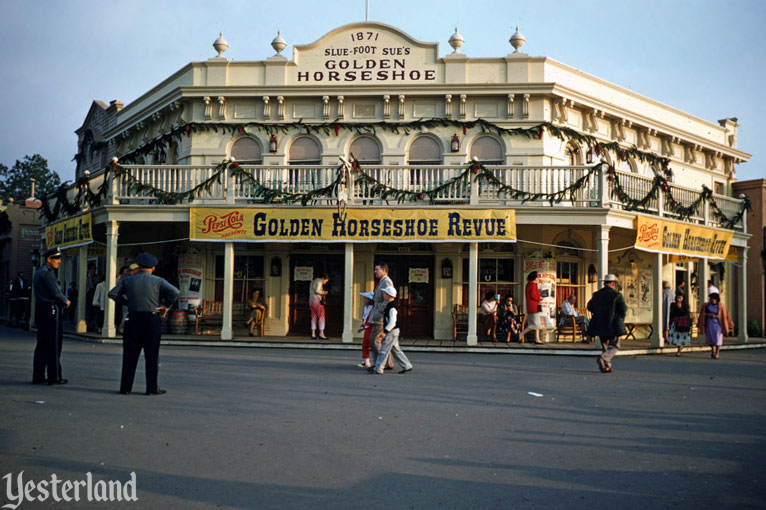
(19, 242)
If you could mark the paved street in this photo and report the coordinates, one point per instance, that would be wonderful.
(294, 428)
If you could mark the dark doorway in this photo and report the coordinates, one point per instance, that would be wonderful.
(416, 298)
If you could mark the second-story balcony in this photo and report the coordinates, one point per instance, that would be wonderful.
(381, 185)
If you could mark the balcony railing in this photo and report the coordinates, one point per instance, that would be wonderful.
(596, 191)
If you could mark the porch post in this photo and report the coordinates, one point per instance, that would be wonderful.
(742, 296)
(348, 293)
(228, 290)
(603, 254)
(112, 233)
(658, 340)
(703, 275)
(82, 278)
(473, 290)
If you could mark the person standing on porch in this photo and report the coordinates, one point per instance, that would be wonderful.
(668, 298)
(532, 296)
(608, 310)
(148, 298)
(716, 322)
(316, 305)
(378, 307)
(49, 319)
(389, 336)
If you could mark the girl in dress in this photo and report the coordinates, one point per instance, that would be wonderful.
(716, 322)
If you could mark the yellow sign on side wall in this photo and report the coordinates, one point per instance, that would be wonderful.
(353, 225)
(661, 236)
(69, 233)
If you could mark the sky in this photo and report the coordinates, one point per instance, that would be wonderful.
(703, 57)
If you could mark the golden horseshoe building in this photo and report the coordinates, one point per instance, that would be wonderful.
(463, 174)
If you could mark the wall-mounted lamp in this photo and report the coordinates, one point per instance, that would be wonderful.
(589, 156)
(276, 266)
(446, 268)
(35, 257)
(273, 145)
(592, 274)
(454, 144)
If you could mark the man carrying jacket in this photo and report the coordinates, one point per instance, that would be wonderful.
(608, 310)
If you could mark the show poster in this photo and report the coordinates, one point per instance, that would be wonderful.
(190, 281)
(546, 283)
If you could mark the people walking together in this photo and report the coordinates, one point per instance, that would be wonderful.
(608, 310)
(389, 336)
(378, 307)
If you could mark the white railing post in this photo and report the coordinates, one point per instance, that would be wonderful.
(602, 189)
(229, 186)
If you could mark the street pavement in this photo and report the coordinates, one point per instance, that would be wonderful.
(306, 429)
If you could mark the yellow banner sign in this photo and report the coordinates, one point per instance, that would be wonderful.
(656, 235)
(353, 225)
(69, 233)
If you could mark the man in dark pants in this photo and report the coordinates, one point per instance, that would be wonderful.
(148, 298)
(608, 323)
(49, 318)
(18, 298)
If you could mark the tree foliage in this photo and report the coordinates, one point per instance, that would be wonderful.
(15, 182)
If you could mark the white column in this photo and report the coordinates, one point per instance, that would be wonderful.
(473, 291)
(228, 290)
(658, 340)
(603, 254)
(348, 294)
(703, 275)
(742, 296)
(82, 279)
(112, 234)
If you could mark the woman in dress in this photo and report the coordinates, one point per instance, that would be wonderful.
(316, 305)
(257, 307)
(508, 321)
(679, 332)
(367, 328)
(716, 322)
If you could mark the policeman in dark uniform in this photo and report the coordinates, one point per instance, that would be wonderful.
(148, 298)
(49, 304)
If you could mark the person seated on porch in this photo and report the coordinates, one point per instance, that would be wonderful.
(257, 306)
(508, 326)
(568, 309)
(488, 316)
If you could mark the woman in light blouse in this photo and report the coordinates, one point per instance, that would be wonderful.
(316, 297)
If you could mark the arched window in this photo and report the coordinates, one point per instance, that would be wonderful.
(425, 151)
(247, 150)
(573, 153)
(488, 150)
(305, 151)
(366, 150)
(173, 154)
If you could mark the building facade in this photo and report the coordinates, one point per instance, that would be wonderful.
(463, 174)
(756, 269)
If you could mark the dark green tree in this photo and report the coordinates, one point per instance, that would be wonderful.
(15, 182)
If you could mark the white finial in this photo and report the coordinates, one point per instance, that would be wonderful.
(220, 45)
(517, 40)
(278, 43)
(456, 41)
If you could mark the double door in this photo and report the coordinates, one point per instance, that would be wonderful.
(300, 314)
(413, 277)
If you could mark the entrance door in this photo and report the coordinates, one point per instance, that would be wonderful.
(300, 315)
(415, 290)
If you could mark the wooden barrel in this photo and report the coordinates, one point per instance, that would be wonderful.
(178, 321)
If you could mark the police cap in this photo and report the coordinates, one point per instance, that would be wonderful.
(53, 253)
(146, 260)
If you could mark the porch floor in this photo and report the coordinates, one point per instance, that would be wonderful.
(242, 339)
